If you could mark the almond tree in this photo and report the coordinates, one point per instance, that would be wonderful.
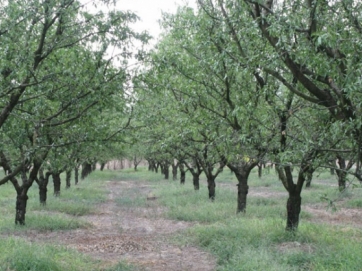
(54, 74)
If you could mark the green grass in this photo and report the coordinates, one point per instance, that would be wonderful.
(130, 197)
(249, 243)
(59, 214)
(257, 240)
(21, 255)
(42, 221)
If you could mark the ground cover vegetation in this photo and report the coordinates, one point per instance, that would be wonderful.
(232, 86)
(256, 240)
(22, 250)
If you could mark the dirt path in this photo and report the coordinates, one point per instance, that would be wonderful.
(138, 235)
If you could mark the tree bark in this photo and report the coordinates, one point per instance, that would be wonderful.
(341, 174)
(43, 186)
(211, 185)
(260, 170)
(243, 190)
(57, 183)
(102, 166)
(196, 181)
(76, 175)
(242, 172)
(341, 180)
(196, 172)
(166, 171)
(43, 190)
(293, 210)
(174, 171)
(86, 170)
(182, 173)
(21, 201)
(151, 165)
(294, 190)
(68, 177)
(136, 162)
(21, 191)
(309, 177)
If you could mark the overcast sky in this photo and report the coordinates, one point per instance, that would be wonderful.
(150, 11)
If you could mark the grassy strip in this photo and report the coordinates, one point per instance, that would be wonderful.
(257, 240)
(59, 214)
(252, 241)
(21, 255)
(43, 221)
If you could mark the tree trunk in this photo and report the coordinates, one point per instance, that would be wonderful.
(68, 176)
(150, 166)
(242, 171)
(260, 170)
(166, 171)
(341, 180)
(196, 181)
(43, 194)
(242, 174)
(102, 166)
(182, 177)
(21, 191)
(174, 172)
(293, 210)
(182, 173)
(196, 172)
(86, 170)
(76, 175)
(243, 190)
(211, 187)
(136, 162)
(56, 182)
(43, 186)
(341, 173)
(309, 177)
(21, 201)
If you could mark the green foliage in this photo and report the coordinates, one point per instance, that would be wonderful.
(58, 67)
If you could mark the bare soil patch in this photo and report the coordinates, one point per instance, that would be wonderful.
(340, 217)
(138, 235)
